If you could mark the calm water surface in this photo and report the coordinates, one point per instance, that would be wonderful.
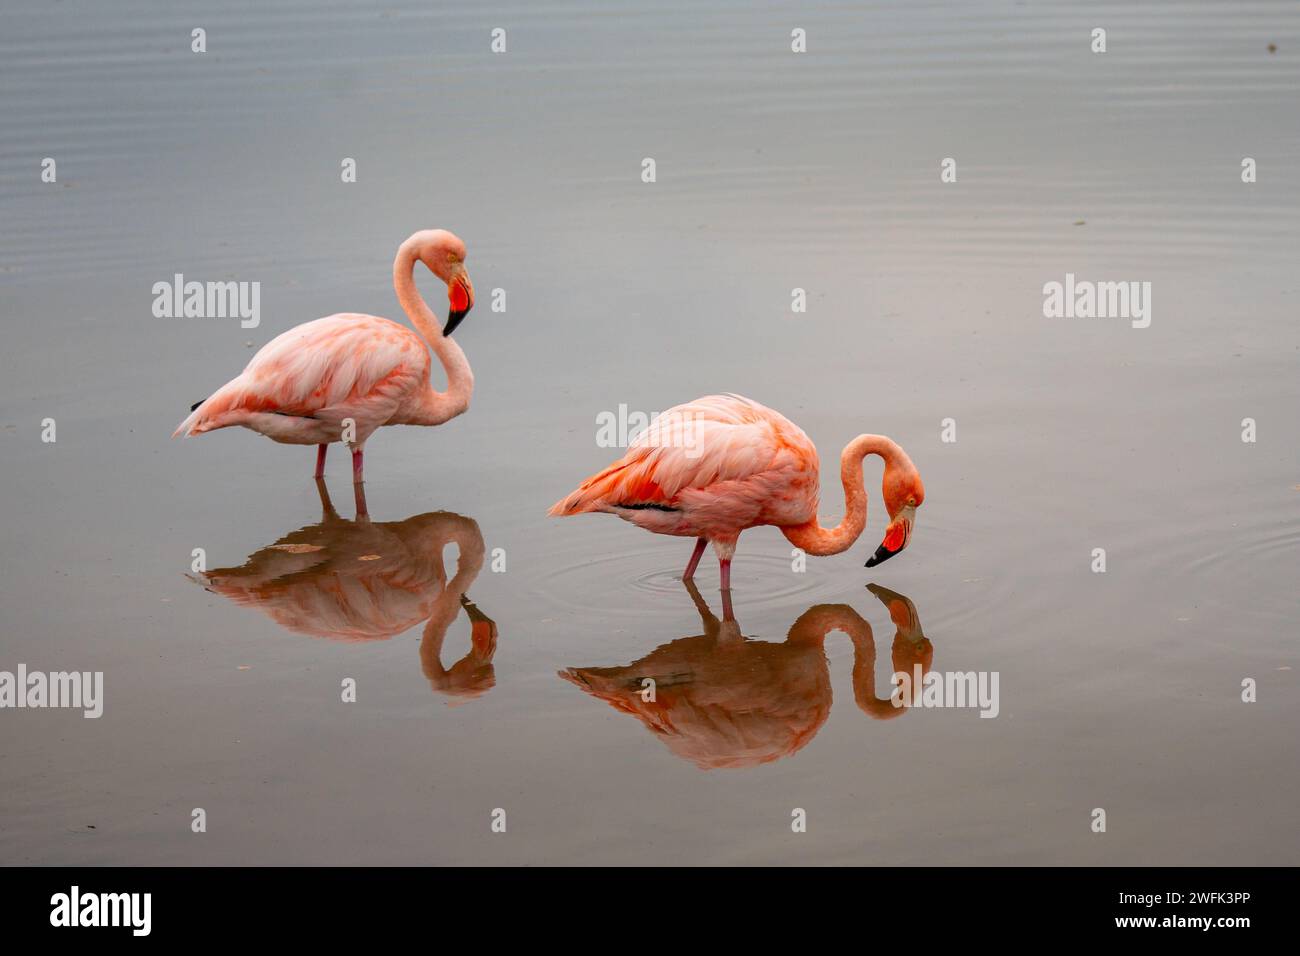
(494, 650)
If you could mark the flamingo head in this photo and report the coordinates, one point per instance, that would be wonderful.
(444, 253)
(903, 493)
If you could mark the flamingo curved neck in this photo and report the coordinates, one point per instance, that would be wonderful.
(440, 406)
(816, 623)
(810, 536)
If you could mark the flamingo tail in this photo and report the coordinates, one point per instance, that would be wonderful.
(219, 410)
(628, 484)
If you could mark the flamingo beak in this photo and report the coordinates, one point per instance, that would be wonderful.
(454, 318)
(897, 537)
(460, 299)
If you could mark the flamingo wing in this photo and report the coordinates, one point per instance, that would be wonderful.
(326, 369)
(714, 444)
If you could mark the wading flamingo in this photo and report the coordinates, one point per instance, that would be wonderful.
(723, 700)
(713, 467)
(341, 377)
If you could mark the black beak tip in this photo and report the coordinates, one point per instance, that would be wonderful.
(882, 555)
(453, 319)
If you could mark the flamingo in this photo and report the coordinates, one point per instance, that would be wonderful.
(713, 467)
(341, 377)
(722, 700)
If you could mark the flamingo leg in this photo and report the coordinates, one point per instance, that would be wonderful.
(359, 494)
(320, 460)
(689, 573)
(359, 484)
(724, 567)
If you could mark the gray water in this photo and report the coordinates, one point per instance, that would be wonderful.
(1119, 690)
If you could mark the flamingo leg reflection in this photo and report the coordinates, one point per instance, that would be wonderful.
(326, 506)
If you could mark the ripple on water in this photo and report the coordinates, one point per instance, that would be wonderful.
(954, 586)
(647, 580)
(1235, 565)
(1264, 543)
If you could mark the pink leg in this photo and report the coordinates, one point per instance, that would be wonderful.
(689, 573)
(357, 477)
(359, 493)
(725, 568)
(320, 460)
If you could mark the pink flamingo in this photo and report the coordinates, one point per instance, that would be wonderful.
(713, 467)
(341, 377)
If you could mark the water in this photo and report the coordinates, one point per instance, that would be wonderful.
(1119, 690)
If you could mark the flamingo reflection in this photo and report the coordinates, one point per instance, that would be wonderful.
(719, 699)
(369, 580)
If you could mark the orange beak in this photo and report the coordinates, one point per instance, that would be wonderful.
(897, 536)
(460, 299)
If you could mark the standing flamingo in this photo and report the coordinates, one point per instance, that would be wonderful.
(713, 467)
(341, 377)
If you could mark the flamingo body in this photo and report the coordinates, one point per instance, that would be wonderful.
(709, 468)
(341, 377)
(301, 386)
(716, 466)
